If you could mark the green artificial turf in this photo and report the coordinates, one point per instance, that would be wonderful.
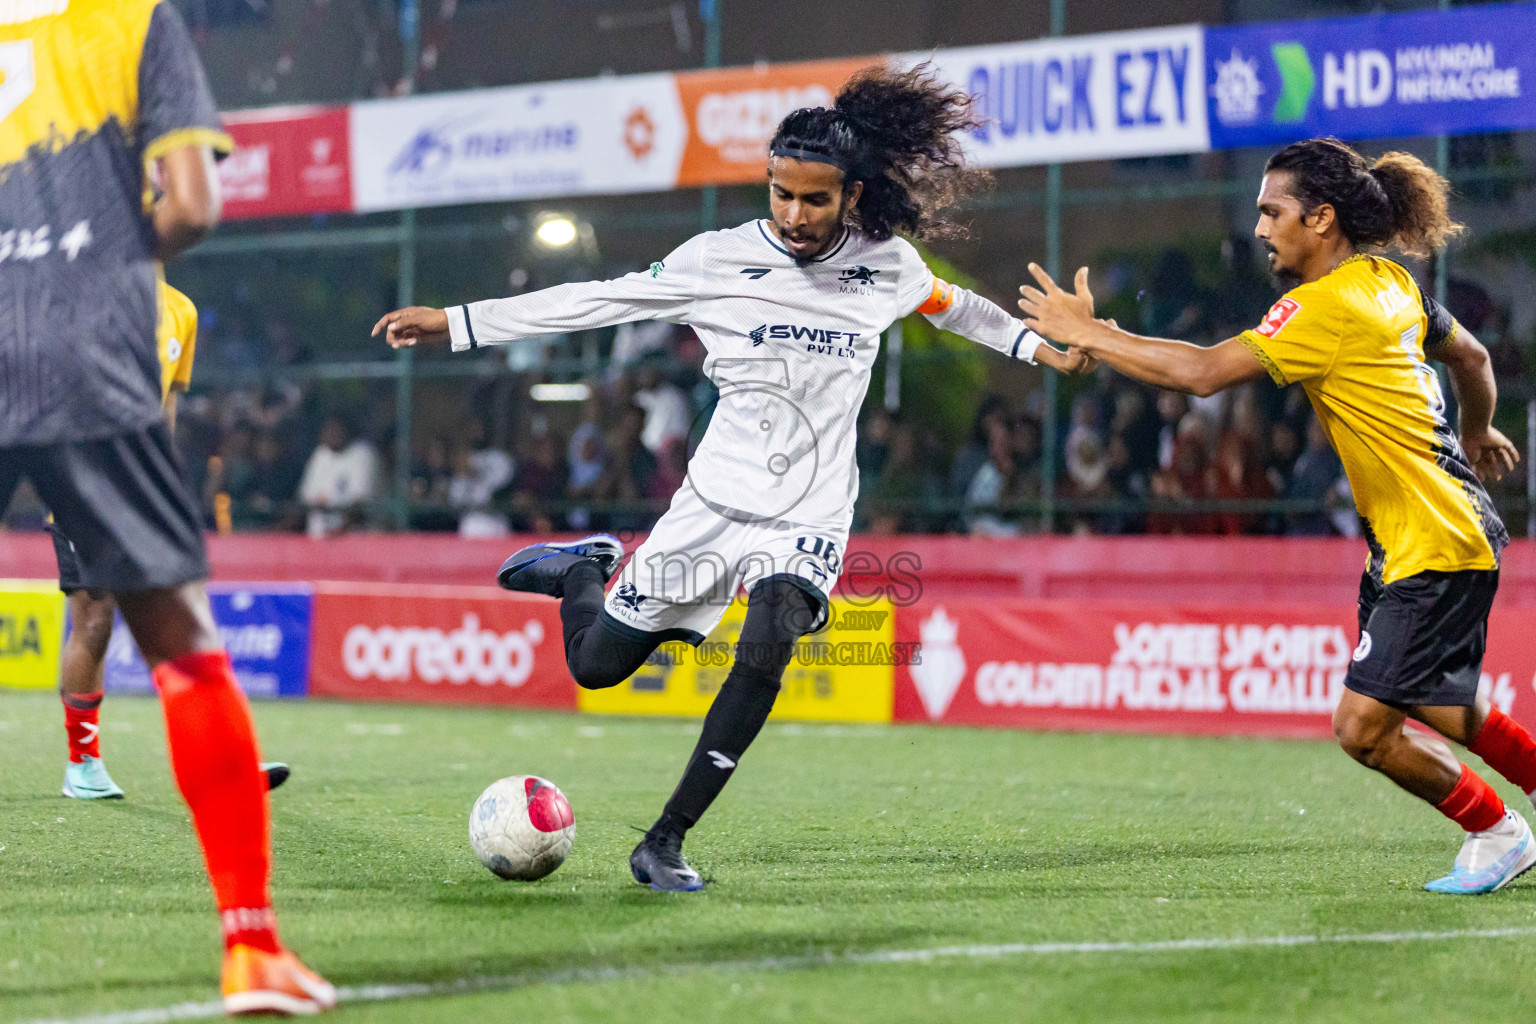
(830, 841)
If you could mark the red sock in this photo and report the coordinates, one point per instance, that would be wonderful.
(213, 754)
(1472, 804)
(80, 710)
(1509, 750)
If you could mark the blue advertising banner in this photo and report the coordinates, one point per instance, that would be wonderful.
(266, 628)
(1450, 72)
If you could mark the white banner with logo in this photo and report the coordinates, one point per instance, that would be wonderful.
(1118, 94)
(599, 135)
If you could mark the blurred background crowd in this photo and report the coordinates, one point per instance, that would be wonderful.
(956, 446)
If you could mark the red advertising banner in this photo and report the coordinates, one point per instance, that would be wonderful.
(1259, 670)
(453, 645)
(287, 161)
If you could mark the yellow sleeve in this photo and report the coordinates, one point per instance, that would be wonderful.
(1298, 338)
(178, 339)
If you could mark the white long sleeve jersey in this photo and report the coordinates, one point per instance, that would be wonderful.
(790, 346)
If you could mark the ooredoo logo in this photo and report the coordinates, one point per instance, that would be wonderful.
(391, 653)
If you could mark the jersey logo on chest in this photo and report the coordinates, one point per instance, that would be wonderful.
(817, 340)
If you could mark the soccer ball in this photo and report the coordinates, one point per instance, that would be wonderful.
(522, 827)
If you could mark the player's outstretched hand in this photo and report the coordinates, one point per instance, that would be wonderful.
(1064, 317)
(1491, 453)
(405, 327)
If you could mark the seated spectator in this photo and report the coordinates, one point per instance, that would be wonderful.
(904, 486)
(480, 470)
(628, 476)
(1316, 476)
(873, 443)
(1238, 469)
(665, 406)
(586, 462)
(538, 483)
(671, 472)
(971, 458)
(990, 489)
(1184, 480)
(340, 478)
(273, 484)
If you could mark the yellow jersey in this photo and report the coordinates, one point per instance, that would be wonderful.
(1355, 340)
(90, 92)
(177, 337)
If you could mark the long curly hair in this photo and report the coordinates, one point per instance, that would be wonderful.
(1398, 200)
(898, 133)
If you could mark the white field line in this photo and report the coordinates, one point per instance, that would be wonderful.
(583, 975)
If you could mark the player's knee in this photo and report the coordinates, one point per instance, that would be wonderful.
(90, 618)
(1362, 738)
(596, 675)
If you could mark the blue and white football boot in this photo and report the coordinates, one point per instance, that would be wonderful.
(87, 779)
(541, 568)
(1490, 860)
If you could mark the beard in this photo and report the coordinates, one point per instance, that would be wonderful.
(1284, 277)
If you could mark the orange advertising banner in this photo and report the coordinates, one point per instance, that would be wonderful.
(733, 112)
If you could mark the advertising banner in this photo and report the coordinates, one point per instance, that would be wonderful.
(1273, 671)
(732, 114)
(1470, 69)
(1119, 94)
(455, 645)
(264, 626)
(31, 630)
(586, 136)
(288, 161)
(841, 674)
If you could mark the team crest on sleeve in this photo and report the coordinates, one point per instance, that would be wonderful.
(1278, 316)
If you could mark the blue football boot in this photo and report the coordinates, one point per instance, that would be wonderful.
(1490, 860)
(541, 568)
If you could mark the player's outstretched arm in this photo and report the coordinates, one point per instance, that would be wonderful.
(1471, 371)
(406, 327)
(1067, 317)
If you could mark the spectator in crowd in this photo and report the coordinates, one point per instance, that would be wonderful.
(996, 484)
(1185, 479)
(480, 472)
(340, 478)
(665, 406)
(586, 461)
(1238, 469)
(628, 476)
(977, 450)
(538, 484)
(904, 485)
(873, 444)
(1316, 476)
(273, 484)
(671, 472)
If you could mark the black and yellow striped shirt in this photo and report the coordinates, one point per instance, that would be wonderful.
(91, 91)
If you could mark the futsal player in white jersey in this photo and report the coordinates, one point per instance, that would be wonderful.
(790, 311)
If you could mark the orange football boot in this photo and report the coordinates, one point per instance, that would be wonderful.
(259, 982)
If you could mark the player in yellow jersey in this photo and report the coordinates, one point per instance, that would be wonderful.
(91, 93)
(82, 662)
(1356, 332)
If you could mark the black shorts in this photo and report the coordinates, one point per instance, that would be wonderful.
(69, 561)
(122, 503)
(1422, 638)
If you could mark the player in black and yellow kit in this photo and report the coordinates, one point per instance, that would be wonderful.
(82, 662)
(1355, 331)
(92, 92)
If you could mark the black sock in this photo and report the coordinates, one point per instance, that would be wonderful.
(776, 618)
(734, 720)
